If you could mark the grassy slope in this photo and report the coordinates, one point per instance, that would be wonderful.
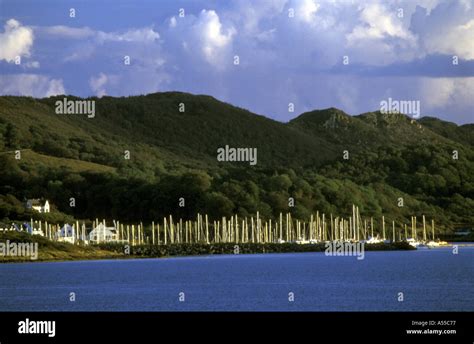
(31, 160)
(79, 138)
(49, 250)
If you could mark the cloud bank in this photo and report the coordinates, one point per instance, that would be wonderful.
(314, 54)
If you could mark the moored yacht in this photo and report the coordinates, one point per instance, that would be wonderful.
(432, 243)
(374, 240)
(414, 243)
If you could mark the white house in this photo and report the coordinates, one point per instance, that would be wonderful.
(67, 234)
(32, 230)
(38, 205)
(102, 234)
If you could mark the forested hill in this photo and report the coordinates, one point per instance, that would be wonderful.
(325, 159)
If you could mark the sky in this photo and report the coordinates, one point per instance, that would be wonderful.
(314, 54)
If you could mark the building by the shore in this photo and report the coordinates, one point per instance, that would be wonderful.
(38, 205)
(67, 234)
(103, 234)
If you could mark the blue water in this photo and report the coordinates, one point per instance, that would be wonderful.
(430, 280)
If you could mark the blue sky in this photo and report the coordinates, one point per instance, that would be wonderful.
(290, 51)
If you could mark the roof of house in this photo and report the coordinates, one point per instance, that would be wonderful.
(66, 230)
(36, 202)
(101, 227)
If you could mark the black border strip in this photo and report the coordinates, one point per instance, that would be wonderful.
(336, 327)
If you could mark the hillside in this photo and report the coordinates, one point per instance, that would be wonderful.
(34, 161)
(463, 134)
(369, 130)
(155, 120)
(173, 155)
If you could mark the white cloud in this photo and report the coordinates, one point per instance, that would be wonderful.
(377, 23)
(34, 85)
(306, 10)
(173, 22)
(380, 37)
(203, 38)
(80, 53)
(447, 29)
(457, 40)
(213, 37)
(250, 17)
(443, 92)
(55, 87)
(98, 83)
(16, 40)
(133, 35)
(266, 36)
(62, 31)
(146, 34)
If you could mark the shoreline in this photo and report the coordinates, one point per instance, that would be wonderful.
(117, 251)
(49, 251)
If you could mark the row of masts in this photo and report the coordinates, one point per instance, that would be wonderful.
(235, 229)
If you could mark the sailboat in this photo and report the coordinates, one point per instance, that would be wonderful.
(432, 243)
(374, 240)
(414, 242)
